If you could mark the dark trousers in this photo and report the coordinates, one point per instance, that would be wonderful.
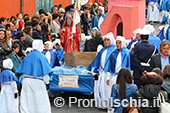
(137, 82)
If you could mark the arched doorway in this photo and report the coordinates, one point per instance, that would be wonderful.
(120, 29)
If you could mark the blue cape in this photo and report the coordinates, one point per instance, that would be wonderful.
(126, 60)
(97, 61)
(165, 5)
(151, 0)
(7, 75)
(167, 35)
(54, 60)
(35, 63)
(95, 21)
(59, 53)
(131, 42)
(154, 40)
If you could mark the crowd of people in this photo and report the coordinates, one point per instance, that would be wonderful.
(157, 11)
(31, 45)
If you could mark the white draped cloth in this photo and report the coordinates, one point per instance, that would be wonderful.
(34, 97)
(8, 104)
(153, 13)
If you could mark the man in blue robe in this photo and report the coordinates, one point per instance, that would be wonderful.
(136, 39)
(120, 58)
(50, 54)
(98, 19)
(35, 70)
(101, 88)
(152, 38)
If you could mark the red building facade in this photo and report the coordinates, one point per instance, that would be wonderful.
(10, 8)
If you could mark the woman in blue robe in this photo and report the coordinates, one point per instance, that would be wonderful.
(50, 54)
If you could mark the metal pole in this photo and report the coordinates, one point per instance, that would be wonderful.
(22, 7)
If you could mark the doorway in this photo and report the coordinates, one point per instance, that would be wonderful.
(120, 29)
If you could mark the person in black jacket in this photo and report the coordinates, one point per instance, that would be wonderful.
(142, 54)
(5, 50)
(21, 36)
(85, 21)
(92, 44)
(45, 32)
(160, 60)
(148, 91)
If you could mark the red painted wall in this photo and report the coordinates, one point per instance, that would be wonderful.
(9, 8)
(63, 2)
(113, 18)
(29, 7)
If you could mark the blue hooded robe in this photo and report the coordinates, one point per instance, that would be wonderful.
(59, 53)
(7, 75)
(154, 40)
(35, 64)
(97, 61)
(54, 60)
(126, 60)
(95, 21)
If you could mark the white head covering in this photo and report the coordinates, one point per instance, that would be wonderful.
(145, 32)
(135, 32)
(161, 27)
(122, 39)
(95, 28)
(56, 41)
(111, 37)
(150, 28)
(50, 44)
(29, 49)
(7, 63)
(102, 8)
(37, 45)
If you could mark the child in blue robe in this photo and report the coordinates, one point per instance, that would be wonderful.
(59, 51)
(9, 93)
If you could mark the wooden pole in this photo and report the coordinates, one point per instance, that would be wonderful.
(79, 26)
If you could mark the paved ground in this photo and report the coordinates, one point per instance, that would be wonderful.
(75, 108)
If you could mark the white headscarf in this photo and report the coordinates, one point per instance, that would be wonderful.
(150, 28)
(29, 49)
(122, 39)
(37, 45)
(56, 41)
(102, 8)
(7, 63)
(50, 44)
(135, 32)
(111, 37)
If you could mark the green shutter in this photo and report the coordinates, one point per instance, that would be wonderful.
(44, 4)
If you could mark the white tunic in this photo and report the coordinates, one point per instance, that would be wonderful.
(34, 97)
(153, 13)
(8, 104)
(101, 89)
(100, 21)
